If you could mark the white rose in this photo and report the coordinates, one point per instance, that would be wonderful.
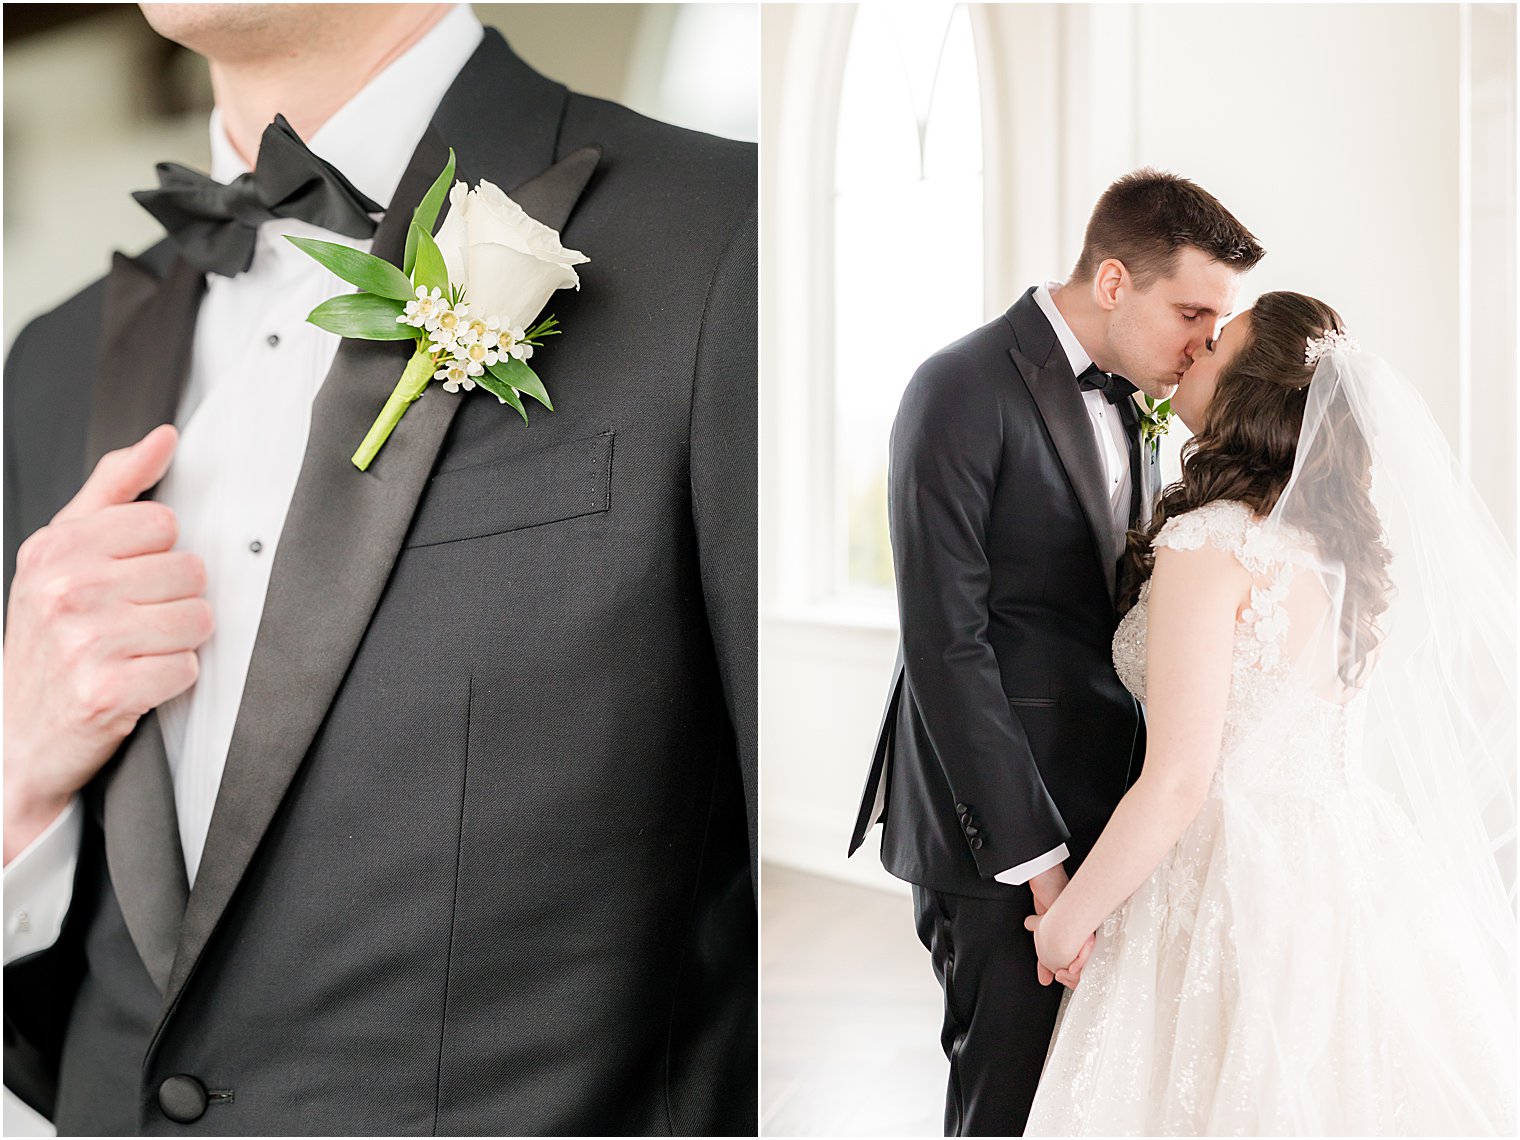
(509, 264)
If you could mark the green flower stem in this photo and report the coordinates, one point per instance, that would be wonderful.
(413, 382)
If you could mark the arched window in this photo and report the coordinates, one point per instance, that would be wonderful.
(907, 252)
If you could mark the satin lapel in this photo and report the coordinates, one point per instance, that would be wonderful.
(143, 850)
(320, 596)
(1047, 374)
(1139, 476)
(148, 329)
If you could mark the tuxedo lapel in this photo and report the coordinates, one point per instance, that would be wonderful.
(142, 848)
(148, 330)
(345, 528)
(1129, 416)
(1046, 373)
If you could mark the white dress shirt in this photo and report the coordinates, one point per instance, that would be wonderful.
(1113, 449)
(256, 365)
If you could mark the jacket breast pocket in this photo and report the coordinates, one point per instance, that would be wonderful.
(549, 485)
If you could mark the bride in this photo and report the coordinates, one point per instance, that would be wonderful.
(1298, 919)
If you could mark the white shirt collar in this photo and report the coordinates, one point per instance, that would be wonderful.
(371, 137)
(1075, 353)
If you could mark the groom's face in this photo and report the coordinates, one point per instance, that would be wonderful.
(1154, 334)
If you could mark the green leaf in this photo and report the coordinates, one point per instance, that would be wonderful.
(368, 272)
(523, 378)
(364, 317)
(430, 270)
(426, 212)
(502, 391)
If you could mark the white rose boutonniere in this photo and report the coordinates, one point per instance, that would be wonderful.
(468, 297)
(1155, 418)
(512, 263)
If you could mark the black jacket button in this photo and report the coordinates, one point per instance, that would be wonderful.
(976, 844)
(961, 809)
(183, 1099)
(970, 830)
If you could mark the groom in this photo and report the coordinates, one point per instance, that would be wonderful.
(452, 832)
(1016, 469)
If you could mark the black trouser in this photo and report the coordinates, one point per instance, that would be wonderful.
(998, 1018)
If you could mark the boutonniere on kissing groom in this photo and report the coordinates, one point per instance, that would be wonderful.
(1155, 418)
(467, 296)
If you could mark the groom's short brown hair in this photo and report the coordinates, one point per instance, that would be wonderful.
(1147, 217)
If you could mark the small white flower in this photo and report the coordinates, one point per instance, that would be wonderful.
(444, 326)
(448, 320)
(510, 344)
(475, 357)
(454, 376)
(480, 330)
(418, 312)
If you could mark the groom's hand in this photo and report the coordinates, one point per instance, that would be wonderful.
(1046, 887)
(103, 625)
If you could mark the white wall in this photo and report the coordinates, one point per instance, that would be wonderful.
(1336, 132)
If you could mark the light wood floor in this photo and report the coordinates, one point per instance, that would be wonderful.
(850, 1013)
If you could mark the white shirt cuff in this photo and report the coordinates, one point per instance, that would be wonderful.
(1028, 870)
(39, 884)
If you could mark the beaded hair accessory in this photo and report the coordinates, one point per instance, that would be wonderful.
(1318, 346)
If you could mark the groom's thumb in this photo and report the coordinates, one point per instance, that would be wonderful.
(121, 476)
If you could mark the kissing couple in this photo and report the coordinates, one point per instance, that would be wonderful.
(1231, 761)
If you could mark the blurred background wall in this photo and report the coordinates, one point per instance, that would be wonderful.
(923, 165)
(93, 98)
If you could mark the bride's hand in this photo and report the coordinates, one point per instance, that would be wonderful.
(1072, 974)
(1062, 953)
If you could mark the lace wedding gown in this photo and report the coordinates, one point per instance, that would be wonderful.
(1288, 968)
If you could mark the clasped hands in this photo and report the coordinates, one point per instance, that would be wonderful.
(1062, 951)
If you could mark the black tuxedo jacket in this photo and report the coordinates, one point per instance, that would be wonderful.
(1007, 732)
(481, 857)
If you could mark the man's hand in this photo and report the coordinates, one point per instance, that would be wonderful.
(1045, 887)
(103, 625)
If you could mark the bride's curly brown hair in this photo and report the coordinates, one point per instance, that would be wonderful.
(1246, 450)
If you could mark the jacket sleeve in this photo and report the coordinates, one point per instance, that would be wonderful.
(945, 470)
(724, 489)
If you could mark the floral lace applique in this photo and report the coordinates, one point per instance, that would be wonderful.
(1262, 630)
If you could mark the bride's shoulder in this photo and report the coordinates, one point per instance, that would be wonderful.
(1234, 527)
(1222, 523)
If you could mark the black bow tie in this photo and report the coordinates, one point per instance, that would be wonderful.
(1115, 388)
(214, 224)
